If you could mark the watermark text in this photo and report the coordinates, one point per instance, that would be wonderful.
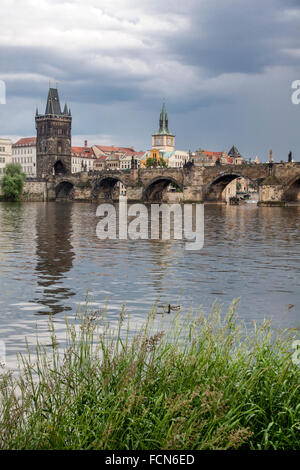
(154, 222)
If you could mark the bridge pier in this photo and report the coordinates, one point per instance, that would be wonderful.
(270, 192)
(193, 194)
(134, 193)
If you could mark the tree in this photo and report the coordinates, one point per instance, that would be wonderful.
(162, 162)
(12, 183)
(153, 162)
(150, 162)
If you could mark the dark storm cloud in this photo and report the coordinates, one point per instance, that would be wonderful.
(238, 36)
(223, 37)
(205, 57)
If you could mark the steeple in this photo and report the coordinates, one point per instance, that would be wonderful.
(233, 152)
(66, 112)
(53, 105)
(163, 121)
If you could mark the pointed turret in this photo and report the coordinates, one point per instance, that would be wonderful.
(66, 112)
(53, 105)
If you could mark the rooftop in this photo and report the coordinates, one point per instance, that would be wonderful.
(112, 148)
(82, 152)
(25, 141)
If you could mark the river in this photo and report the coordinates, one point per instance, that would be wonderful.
(50, 256)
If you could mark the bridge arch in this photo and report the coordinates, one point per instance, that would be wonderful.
(215, 189)
(108, 188)
(292, 191)
(64, 190)
(153, 192)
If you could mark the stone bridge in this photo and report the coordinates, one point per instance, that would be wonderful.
(276, 183)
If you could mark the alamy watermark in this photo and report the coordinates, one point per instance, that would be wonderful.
(2, 92)
(152, 222)
(296, 94)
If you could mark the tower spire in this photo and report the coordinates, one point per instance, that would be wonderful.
(53, 104)
(163, 120)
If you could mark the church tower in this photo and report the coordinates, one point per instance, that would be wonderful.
(163, 139)
(53, 143)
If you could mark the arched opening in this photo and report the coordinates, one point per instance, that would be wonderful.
(232, 187)
(161, 189)
(292, 193)
(64, 190)
(108, 189)
(59, 168)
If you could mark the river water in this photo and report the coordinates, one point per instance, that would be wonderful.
(50, 256)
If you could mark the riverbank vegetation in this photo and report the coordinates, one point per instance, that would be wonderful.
(179, 382)
(12, 182)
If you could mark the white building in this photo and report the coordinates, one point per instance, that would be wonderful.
(127, 159)
(178, 158)
(24, 153)
(5, 153)
(83, 158)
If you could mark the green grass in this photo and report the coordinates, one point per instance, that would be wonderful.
(203, 382)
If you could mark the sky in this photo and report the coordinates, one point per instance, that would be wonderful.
(224, 68)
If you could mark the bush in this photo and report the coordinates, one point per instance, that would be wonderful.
(12, 183)
(153, 162)
(195, 383)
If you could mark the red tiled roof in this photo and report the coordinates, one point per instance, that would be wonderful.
(111, 148)
(210, 154)
(216, 155)
(82, 152)
(26, 141)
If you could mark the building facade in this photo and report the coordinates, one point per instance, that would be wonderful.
(163, 139)
(53, 144)
(131, 160)
(235, 155)
(107, 150)
(178, 158)
(229, 191)
(24, 153)
(207, 158)
(5, 153)
(83, 158)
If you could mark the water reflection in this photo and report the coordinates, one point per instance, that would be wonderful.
(54, 256)
(50, 255)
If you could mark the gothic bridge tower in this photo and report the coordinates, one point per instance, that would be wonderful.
(53, 143)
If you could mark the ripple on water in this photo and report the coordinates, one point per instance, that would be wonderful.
(50, 256)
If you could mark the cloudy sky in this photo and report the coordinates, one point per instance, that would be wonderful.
(224, 67)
